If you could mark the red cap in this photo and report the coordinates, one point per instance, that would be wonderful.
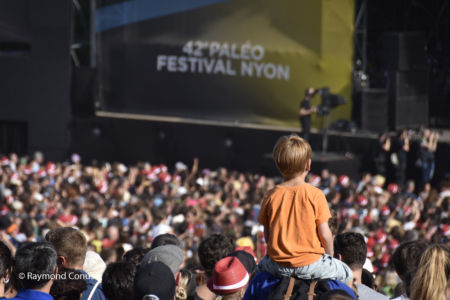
(385, 210)
(165, 177)
(4, 161)
(367, 219)
(393, 188)
(229, 276)
(370, 242)
(445, 229)
(385, 259)
(41, 173)
(50, 168)
(380, 236)
(344, 179)
(393, 243)
(362, 200)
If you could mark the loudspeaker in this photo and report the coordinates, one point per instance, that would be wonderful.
(404, 51)
(410, 112)
(374, 110)
(408, 99)
(408, 84)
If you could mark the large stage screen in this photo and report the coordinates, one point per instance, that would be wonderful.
(231, 61)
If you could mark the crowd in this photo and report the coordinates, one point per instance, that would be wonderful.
(110, 230)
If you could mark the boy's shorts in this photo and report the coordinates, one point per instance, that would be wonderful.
(326, 267)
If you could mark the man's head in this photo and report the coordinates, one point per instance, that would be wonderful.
(292, 155)
(165, 239)
(213, 249)
(117, 280)
(36, 265)
(406, 258)
(351, 248)
(309, 93)
(135, 255)
(71, 246)
(70, 285)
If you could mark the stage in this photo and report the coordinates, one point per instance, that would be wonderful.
(238, 148)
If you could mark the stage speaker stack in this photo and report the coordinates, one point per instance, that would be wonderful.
(374, 110)
(404, 61)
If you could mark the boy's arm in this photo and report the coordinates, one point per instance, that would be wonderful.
(326, 238)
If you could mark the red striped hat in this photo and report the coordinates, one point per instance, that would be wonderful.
(4, 161)
(229, 276)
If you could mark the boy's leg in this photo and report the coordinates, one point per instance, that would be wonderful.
(326, 267)
(268, 265)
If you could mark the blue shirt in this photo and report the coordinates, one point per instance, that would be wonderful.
(33, 295)
(262, 283)
(98, 293)
(260, 286)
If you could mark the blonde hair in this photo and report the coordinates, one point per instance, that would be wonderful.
(185, 284)
(430, 279)
(291, 154)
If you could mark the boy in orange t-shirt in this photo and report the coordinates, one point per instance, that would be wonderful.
(295, 218)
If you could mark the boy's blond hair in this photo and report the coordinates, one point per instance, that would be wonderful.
(291, 154)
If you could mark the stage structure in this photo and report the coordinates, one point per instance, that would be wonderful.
(223, 62)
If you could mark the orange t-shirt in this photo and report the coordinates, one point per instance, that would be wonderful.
(292, 215)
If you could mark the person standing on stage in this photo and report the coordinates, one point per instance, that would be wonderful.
(305, 112)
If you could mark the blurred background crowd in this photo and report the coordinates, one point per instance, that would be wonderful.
(120, 208)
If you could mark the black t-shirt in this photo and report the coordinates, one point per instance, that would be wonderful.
(305, 104)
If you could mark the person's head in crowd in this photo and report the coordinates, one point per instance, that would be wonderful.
(71, 246)
(335, 295)
(247, 259)
(431, 281)
(410, 236)
(292, 156)
(117, 280)
(405, 260)
(229, 278)
(109, 255)
(69, 285)
(165, 239)
(135, 255)
(186, 285)
(170, 255)
(26, 227)
(94, 265)
(38, 259)
(333, 223)
(410, 186)
(154, 281)
(351, 248)
(113, 233)
(367, 279)
(9, 284)
(213, 249)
